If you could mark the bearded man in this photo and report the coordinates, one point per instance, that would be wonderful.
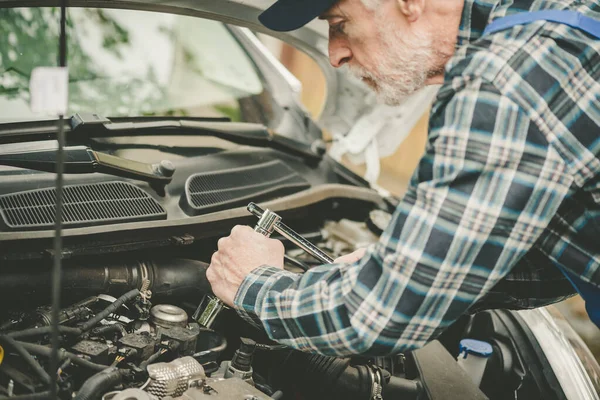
(504, 207)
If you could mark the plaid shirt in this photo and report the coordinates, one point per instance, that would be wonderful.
(508, 188)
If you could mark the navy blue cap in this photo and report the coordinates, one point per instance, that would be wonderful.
(476, 347)
(287, 15)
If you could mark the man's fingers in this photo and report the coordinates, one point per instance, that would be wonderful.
(241, 230)
(210, 274)
(222, 243)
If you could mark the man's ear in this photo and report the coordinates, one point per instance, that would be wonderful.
(411, 9)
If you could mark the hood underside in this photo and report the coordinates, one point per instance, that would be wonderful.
(347, 100)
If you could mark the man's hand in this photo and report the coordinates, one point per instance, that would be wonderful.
(351, 258)
(238, 254)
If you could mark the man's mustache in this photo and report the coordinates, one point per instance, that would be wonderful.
(362, 74)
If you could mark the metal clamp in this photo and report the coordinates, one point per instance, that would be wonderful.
(377, 382)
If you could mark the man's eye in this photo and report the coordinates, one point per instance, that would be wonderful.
(337, 28)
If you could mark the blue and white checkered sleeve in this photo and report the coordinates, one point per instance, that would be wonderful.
(480, 198)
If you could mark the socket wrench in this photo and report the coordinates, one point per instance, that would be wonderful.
(268, 222)
(288, 233)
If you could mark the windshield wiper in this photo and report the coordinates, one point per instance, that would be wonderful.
(83, 160)
(184, 151)
(87, 126)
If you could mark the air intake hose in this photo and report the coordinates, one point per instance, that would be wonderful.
(315, 377)
(319, 377)
(168, 278)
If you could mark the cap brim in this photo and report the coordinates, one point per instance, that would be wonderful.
(287, 15)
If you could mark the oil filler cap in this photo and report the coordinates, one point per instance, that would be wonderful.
(168, 316)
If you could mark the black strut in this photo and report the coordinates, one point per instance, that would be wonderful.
(60, 165)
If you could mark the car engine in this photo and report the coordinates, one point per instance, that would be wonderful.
(130, 326)
(133, 290)
(130, 331)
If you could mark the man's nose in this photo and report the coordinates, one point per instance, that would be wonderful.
(339, 53)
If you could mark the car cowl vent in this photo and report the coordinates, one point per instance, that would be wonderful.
(218, 190)
(83, 205)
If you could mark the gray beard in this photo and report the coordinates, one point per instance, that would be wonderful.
(402, 71)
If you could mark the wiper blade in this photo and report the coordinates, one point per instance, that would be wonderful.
(238, 132)
(83, 160)
(85, 127)
(185, 151)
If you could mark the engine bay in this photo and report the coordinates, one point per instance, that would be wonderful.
(129, 332)
(132, 328)
(132, 288)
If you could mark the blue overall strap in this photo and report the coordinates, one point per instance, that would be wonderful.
(571, 18)
(588, 292)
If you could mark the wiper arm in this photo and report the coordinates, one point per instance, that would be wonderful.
(238, 132)
(83, 160)
(85, 127)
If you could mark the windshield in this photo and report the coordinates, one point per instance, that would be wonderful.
(130, 63)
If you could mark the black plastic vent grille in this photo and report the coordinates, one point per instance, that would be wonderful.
(84, 205)
(213, 191)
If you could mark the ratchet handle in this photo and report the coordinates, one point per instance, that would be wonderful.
(269, 222)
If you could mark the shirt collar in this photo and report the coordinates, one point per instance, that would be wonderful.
(475, 18)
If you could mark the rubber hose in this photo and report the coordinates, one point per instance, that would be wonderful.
(313, 375)
(168, 278)
(30, 396)
(100, 383)
(220, 347)
(43, 330)
(62, 353)
(213, 349)
(405, 389)
(27, 357)
(354, 383)
(151, 359)
(110, 309)
(321, 377)
(64, 365)
(333, 378)
(101, 330)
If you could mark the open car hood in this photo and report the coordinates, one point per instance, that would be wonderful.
(347, 99)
